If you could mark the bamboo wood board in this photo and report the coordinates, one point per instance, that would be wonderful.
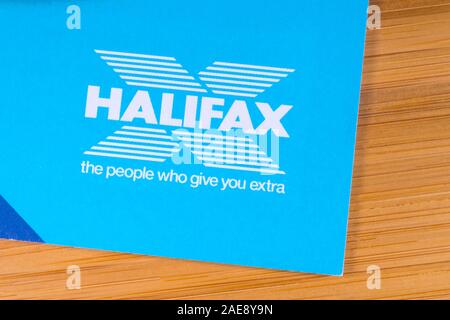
(400, 210)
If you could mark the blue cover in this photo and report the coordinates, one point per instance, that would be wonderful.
(219, 131)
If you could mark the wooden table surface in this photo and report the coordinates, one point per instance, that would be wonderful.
(400, 209)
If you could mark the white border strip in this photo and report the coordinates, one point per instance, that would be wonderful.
(250, 66)
(122, 156)
(260, 170)
(136, 55)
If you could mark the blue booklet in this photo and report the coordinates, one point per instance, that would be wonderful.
(219, 131)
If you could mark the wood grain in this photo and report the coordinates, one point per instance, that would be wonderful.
(400, 211)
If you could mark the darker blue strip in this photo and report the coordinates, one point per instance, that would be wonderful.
(13, 227)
